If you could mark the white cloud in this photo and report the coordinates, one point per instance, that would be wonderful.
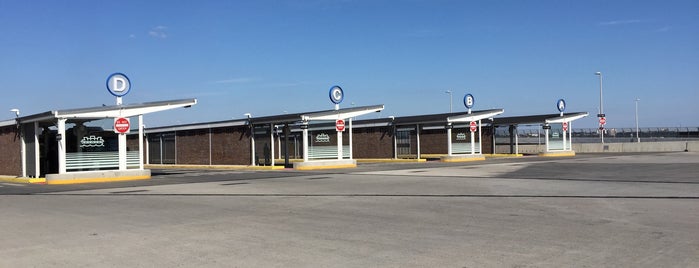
(158, 32)
(132, 36)
(618, 22)
(664, 29)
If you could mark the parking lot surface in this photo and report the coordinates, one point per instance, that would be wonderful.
(604, 210)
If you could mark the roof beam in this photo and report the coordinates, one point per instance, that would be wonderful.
(341, 113)
(475, 116)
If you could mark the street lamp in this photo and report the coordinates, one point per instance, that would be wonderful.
(601, 108)
(638, 138)
(16, 111)
(450, 99)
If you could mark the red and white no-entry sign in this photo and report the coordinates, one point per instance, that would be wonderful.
(122, 125)
(602, 120)
(474, 126)
(565, 126)
(340, 125)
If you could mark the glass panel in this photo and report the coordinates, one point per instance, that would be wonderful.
(461, 140)
(323, 144)
(556, 137)
(93, 145)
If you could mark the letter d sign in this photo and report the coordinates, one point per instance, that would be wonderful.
(118, 84)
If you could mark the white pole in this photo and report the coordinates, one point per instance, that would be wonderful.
(517, 140)
(450, 99)
(473, 141)
(395, 142)
(140, 142)
(252, 144)
(271, 141)
(601, 108)
(305, 143)
(449, 139)
(547, 140)
(638, 138)
(37, 152)
(24, 152)
(565, 132)
(210, 148)
(122, 151)
(339, 145)
(62, 146)
(417, 129)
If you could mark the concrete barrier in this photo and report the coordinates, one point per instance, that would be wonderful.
(98, 176)
(325, 164)
(629, 147)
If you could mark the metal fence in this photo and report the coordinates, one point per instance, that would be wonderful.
(535, 135)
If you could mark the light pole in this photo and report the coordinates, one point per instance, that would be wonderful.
(16, 111)
(638, 138)
(450, 99)
(601, 108)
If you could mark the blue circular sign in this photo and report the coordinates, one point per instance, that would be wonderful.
(468, 101)
(118, 84)
(336, 94)
(561, 105)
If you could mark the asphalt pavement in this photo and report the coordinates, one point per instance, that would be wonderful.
(592, 210)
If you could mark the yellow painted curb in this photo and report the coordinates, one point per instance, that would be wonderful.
(325, 167)
(22, 180)
(468, 159)
(95, 180)
(379, 160)
(557, 154)
(221, 167)
(502, 155)
(425, 156)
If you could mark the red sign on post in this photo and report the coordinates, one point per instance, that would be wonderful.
(474, 126)
(602, 120)
(122, 125)
(340, 125)
(565, 126)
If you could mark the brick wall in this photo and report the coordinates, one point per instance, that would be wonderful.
(11, 147)
(193, 147)
(487, 137)
(372, 143)
(230, 146)
(433, 141)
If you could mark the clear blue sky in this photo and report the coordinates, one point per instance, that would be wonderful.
(268, 57)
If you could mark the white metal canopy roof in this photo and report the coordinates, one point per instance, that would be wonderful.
(566, 118)
(111, 111)
(341, 113)
(474, 116)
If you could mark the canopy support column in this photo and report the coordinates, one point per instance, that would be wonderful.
(449, 126)
(140, 142)
(62, 145)
(305, 141)
(417, 130)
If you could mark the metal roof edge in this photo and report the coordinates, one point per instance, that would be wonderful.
(218, 124)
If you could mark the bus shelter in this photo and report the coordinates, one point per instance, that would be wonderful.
(467, 149)
(88, 144)
(557, 130)
(318, 152)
